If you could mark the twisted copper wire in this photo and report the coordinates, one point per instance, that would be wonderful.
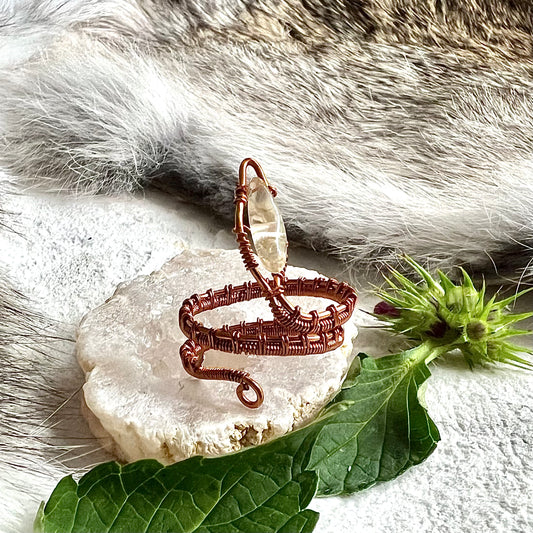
(291, 332)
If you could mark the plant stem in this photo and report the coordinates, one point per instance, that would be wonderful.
(429, 350)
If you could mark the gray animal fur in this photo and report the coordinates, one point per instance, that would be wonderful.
(387, 125)
(42, 435)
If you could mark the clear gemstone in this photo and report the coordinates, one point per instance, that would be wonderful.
(266, 226)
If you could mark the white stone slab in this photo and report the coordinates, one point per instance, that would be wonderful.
(139, 398)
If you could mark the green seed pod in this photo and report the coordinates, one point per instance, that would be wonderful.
(477, 329)
(457, 314)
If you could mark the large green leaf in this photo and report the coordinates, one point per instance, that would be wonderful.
(223, 495)
(384, 430)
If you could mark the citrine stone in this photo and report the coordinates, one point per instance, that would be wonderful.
(266, 226)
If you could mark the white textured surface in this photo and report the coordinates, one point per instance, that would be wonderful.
(143, 398)
(478, 479)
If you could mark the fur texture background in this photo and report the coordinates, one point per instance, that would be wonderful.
(387, 125)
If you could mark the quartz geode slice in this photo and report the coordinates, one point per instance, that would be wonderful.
(140, 400)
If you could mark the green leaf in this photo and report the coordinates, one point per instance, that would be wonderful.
(257, 493)
(384, 431)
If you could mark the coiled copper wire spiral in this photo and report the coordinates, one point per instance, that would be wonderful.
(291, 332)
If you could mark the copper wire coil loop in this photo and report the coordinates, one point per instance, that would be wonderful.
(291, 332)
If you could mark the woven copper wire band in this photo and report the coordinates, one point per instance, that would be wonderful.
(291, 332)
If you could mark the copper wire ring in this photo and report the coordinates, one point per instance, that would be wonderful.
(291, 332)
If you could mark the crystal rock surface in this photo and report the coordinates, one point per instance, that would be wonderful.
(140, 401)
(266, 226)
